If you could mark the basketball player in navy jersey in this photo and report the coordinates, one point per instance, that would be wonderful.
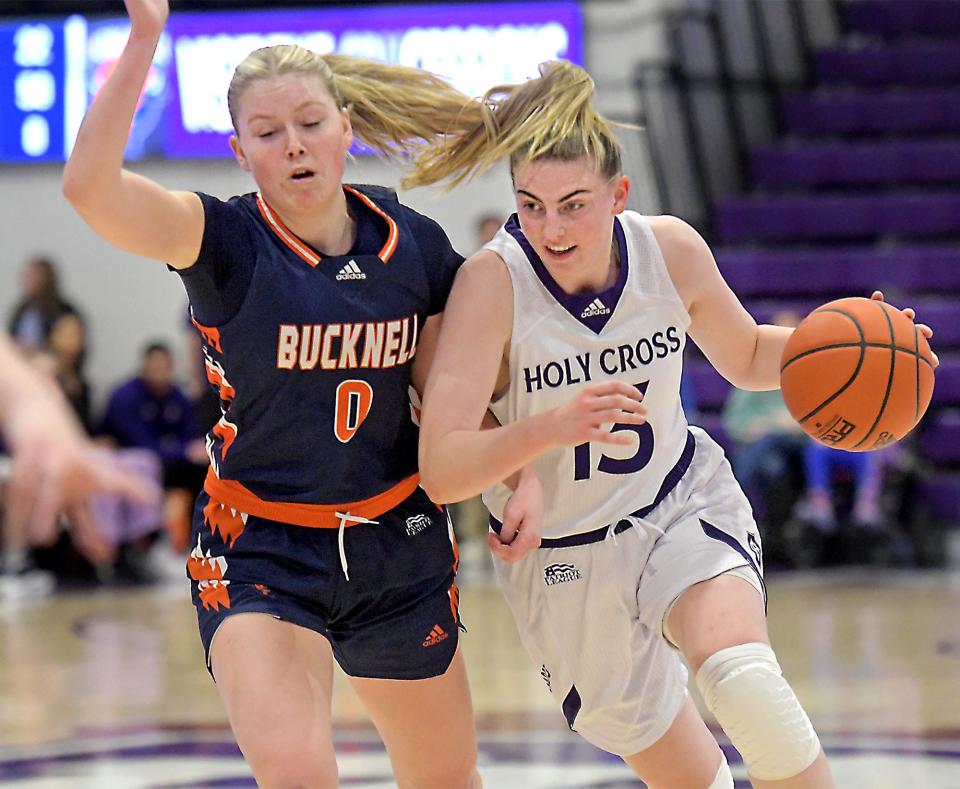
(317, 303)
(570, 327)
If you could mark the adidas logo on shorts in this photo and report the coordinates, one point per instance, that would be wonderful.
(351, 271)
(435, 636)
(560, 573)
(595, 308)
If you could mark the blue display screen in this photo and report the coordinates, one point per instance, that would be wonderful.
(51, 69)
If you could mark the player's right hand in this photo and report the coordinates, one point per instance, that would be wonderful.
(588, 415)
(147, 16)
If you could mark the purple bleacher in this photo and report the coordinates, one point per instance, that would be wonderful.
(903, 17)
(859, 112)
(941, 493)
(893, 163)
(847, 271)
(946, 388)
(911, 62)
(942, 316)
(713, 424)
(833, 217)
(710, 387)
(940, 438)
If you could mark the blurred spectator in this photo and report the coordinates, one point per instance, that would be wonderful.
(486, 227)
(40, 306)
(68, 348)
(822, 464)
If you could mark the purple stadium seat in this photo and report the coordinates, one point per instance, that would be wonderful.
(713, 424)
(857, 112)
(912, 62)
(899, 214)
(897, 162)
(942, 493)
(903, 17)
(940, 438)
(946, 390)
(710, 387)
(845, 271)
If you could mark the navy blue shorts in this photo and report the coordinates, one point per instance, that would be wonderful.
(395, 618)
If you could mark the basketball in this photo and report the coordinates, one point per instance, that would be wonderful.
(857, 374)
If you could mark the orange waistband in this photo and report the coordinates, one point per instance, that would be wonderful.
(317, 516)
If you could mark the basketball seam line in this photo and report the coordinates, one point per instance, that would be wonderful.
(908, 351)
(856, 372)
(893, 365)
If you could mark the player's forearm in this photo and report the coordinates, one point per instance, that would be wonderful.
(463, 463)
(763, 372)
(93, 173)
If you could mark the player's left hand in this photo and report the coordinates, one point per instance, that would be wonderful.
(522, 521)
(925, 330)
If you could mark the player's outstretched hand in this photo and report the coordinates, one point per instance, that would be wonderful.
(522, 521)
(56, 468)
(925, 330)
(147, 16)
(581, 418)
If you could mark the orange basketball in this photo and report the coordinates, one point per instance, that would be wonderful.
(857, 374)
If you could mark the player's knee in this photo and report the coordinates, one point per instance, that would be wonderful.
(299, 768)
(744, 688)
(457, 771)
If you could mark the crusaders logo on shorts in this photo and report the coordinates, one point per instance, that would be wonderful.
(417, 524)
(560, 573)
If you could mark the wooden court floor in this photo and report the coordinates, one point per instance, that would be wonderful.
(109, 690)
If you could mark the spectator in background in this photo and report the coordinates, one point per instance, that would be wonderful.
(41, 305)
(151, 412)
(822, 465)
(486, 227)
(68, 349)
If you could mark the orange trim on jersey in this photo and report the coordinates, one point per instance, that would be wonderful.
(317, 516)
(287, 236)
(303, 250)
(210, 334)
(390, 247)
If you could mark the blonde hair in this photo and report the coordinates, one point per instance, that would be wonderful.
(393, 109)
(550, 117)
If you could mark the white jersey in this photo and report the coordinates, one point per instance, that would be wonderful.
(633, 332)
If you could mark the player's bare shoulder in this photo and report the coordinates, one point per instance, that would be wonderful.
(687, 256)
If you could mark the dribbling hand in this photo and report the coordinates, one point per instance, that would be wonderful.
(582, 417)
(925, 330)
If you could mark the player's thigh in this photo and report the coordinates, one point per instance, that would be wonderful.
(276, 680)
(427, 726)
(715, 614)
(686, 756)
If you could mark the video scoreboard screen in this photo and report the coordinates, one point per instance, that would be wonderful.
(50, 69)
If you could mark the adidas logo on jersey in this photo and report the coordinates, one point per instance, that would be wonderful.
(417, 524)
(351, 271)
(595, 308)
(560, 573)
(435, 636)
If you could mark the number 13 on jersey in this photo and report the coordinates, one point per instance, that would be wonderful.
(583, 460)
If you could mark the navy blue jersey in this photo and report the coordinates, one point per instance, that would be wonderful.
(312, 355)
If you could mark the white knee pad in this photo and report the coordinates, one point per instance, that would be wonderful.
(723, 778)
(743, 687)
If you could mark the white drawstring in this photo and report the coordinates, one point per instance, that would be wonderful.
(344, 517)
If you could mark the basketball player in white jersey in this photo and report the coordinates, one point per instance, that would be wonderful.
(570, 327)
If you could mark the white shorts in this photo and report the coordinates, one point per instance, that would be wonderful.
(592, 616)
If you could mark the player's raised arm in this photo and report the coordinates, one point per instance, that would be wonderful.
(128, 210)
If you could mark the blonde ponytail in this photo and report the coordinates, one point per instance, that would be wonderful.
(393, 109)
(550, 117)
